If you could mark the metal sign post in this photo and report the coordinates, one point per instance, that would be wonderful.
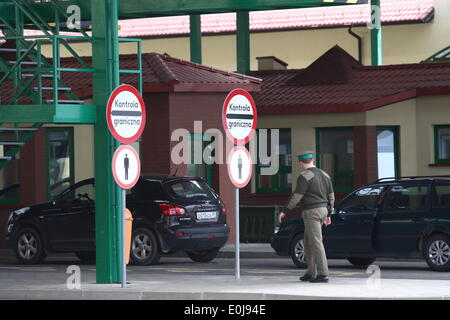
(126, 119)
(240, 171)
(124, 239)
(126, 168)
(237, 267)
(239, 118)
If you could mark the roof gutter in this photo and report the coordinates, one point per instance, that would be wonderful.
(350, 31)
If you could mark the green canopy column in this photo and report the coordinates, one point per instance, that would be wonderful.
(376, 34)
(195, 38)
(107, 201)
(243, 42)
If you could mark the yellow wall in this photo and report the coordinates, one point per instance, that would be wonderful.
(415, 117)
(401, 44)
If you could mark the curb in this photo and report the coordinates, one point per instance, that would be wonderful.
(150, 295)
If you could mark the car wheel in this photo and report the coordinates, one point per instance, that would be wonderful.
(297, 251)
(144, 247)
(203, 255)
(86, 256)
(437, 253)
(29, 247)
(361, 262)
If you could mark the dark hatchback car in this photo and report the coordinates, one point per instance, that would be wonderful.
(169, 214)
(391, 218)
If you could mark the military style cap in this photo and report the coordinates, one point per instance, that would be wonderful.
(302, 155)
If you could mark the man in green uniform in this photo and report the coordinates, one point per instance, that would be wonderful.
(314, 193)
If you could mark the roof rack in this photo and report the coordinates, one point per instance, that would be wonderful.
(412, 178)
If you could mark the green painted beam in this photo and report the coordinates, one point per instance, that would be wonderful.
(27, 113)
(155, 8)
(75, 113)
(48, 113)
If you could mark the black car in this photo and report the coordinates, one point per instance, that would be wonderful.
(391, 218)
(170, 213)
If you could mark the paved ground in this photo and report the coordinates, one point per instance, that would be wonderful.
(263, 276)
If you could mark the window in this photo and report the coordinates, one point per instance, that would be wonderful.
(441, 197)
(85, 192)
(442, 144)
(9, 174)
(148, 190)
(281, 182)
(191, 189)
(60, 159)
(202, 169)
(407, 198)
(335, 155)
(364, 200)
(387, 152)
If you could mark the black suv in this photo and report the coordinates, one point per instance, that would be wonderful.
(169, 214)
(406, 217)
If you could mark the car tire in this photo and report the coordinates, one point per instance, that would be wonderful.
(86, 256)
(437, 252)
(29, 246)
(297, 251)
(203, 255)
(145, 248)
(361, 262)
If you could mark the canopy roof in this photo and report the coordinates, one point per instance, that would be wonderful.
(129, 9)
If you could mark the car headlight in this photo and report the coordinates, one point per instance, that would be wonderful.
(276, 230)
(21, 211)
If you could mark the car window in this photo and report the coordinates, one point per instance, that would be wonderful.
(441, 196)
(363, 200)
(86, 190)
(148, 190)
(191, 189)
(407, 198)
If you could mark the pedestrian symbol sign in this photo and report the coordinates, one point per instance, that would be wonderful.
(240, 166)
(126, 166)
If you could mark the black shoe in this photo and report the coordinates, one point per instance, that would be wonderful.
(320, 279)
(307, 277)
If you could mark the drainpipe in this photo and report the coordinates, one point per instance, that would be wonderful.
(350, 31)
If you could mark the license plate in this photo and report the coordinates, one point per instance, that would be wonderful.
(207, 215)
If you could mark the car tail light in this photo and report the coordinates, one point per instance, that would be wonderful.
(171, 210)
(224, 208)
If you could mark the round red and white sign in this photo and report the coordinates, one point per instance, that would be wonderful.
(126, 114)
(239, 166)
(239, 116)
(126, 166)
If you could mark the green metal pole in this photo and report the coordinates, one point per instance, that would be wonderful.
(107, 203)
(376, 34)
(195, 38)
(243, 42)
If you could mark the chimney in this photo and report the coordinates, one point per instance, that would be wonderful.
(271, 63)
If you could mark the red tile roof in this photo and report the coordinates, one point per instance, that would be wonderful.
(339, 83)
(161, 73)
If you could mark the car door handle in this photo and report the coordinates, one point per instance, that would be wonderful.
(417, 219)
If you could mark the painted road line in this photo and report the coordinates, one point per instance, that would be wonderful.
(186, 271)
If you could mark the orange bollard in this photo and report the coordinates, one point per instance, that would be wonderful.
(129, 229)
